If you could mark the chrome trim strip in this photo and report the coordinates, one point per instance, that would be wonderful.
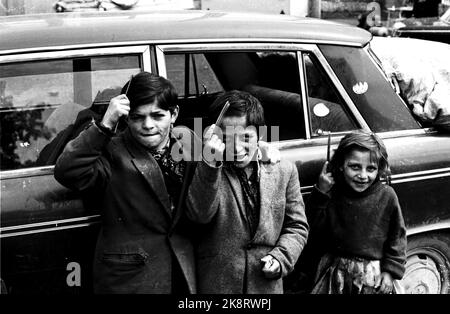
(435, 31)
(175, 41)
(303, 81)
(26, 172)
(20, 233)
(423, 173)
(161, 62)
(432, 227)
(419, 178)
(144, 50)
(146, 60)
(49, 225)
(395, 181)
(405, 133)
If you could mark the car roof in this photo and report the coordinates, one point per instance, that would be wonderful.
(42, 31)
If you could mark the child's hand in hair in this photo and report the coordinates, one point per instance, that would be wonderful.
(326, 180)
(385, 283)
(118, 106)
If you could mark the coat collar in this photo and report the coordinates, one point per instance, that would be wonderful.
(149, 168)
(268, 184)
(187, 146)
(267, 187)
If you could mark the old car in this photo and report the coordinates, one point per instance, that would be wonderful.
(429, 28)
(313, 77)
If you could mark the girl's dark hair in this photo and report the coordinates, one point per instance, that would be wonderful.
(241, 104)
(145, 87)
(361, 140)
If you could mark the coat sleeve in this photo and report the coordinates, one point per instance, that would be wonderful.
(316, 209)
(394, 255)
(295, 228)
(83, 166)
(202, 199)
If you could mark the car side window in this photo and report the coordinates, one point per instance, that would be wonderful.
(271, 76)
(327, 110)
(44, 104)
(191, 74)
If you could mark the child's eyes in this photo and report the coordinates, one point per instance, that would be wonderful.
(136, 117)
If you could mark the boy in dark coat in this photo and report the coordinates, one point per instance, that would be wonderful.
(139, 191)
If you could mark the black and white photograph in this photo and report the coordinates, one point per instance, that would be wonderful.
(224, 155)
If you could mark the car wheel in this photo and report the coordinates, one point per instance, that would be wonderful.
(428, 264)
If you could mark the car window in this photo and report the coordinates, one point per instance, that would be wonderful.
(326, 109)
(271, 76)
(369, 89)
(40, 101)
(199, 77)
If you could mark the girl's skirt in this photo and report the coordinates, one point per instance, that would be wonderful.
(341, 275)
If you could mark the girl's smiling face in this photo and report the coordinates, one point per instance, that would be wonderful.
(360, 170)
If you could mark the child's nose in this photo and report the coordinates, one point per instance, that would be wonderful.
(363, 174)
(147, 123)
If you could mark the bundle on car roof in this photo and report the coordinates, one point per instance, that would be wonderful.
(422, 71)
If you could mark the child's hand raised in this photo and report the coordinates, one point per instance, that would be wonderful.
(326, 180)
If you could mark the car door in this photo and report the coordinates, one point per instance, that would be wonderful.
(47, 98)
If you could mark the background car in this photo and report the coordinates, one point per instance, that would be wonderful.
(429, 28)
(312, 77)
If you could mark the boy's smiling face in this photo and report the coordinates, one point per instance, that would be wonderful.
(241, 142)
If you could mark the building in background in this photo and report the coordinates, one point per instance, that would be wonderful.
(16, 7)
(291, 7)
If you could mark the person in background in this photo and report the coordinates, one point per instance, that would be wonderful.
(252, 212)
(359, 220)
(132, 179)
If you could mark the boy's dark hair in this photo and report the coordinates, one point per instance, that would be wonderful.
(145, 87)
(361, 140)
(241, 104)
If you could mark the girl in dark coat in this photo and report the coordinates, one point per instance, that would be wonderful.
(358, 219)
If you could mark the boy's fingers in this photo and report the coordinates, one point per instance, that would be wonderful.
(324, 167)
(265, 259)
(209, 133)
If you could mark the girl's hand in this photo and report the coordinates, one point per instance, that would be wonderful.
(326, 180)
(118, 106)
(271, 268)
(386, 283)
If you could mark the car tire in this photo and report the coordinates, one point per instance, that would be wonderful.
(428, 264)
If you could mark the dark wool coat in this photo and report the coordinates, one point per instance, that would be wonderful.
(228, 257)
(140, 236)
(368, 224)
